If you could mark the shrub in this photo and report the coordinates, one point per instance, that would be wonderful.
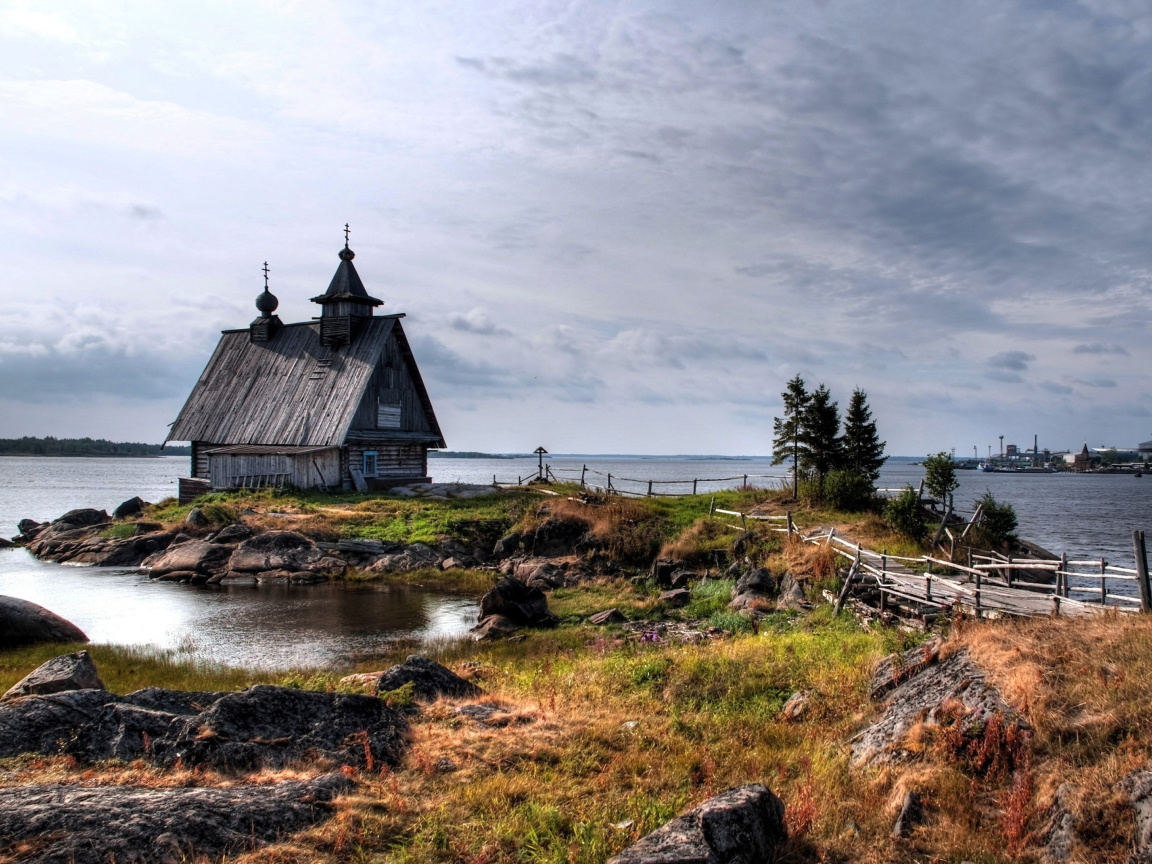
(848, 490)
(709, 596)
(998, 521)
(905, 514)
(219, 514)
(940, 475)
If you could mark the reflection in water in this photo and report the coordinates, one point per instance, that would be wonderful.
(264, 625)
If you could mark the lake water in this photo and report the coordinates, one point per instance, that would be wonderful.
(1085, 515)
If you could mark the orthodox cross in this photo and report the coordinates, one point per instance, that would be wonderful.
(265, 275)
(346, 235)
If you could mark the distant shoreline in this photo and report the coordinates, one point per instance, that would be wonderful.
(187, 452)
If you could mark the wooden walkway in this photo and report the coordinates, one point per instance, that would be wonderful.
(989, 586)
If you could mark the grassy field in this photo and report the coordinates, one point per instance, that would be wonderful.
(605, 737)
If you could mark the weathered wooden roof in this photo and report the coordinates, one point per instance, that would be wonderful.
(346, 284)
(291, 390)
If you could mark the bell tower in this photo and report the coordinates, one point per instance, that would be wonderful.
(345, 305)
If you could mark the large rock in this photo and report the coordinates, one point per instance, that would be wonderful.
(24, 623)
(756, 579)
(113, 552)
(676, 598)
(791, 595)
(516, 601)
(1138, 786)
(131, 507)
(506, 545)
(608, 616)
(66, 672)
(84, 517)
(741, 826)
(557, 537)
(430, 678)
(237, 532)
(28, 528)
(911, 814)
(275, 550)
(935, 692)
(195, 556)
(261, 727)
(60, 824)
(662, 570)
(415, 557)
(494, 627)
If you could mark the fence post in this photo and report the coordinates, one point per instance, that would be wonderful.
(649, 488)
(712, 506)
(928, 587)
(1142, 571)
(791, 527)
(609, 492)
(1103, 582)
(582, 470)
(745, 486)
(1008, 572)
(693, 486)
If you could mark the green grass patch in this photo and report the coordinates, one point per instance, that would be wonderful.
(119, 530)
(455, 581)
(709, 596)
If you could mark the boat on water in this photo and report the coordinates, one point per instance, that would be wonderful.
(992, 468)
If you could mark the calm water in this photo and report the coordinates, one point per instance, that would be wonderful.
(1084, 515)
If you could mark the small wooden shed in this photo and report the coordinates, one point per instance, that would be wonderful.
(336, 402)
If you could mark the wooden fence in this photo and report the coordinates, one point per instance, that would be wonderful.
(609, 483)
(988, 584)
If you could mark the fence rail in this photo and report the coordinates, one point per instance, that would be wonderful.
(989, 588)
(610, 483)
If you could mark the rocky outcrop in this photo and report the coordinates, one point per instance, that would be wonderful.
(185, 561)
(494, 627)
(512, 599)
(791, 595)
(414, 557)
(740, 826)
(608, 616)
(796, 707)
(1138, 786)
(283, 552)
(132, 507)
(24, 623)
(911, 814)
(58, 824)
(66, 672)
(753, 591)
(930, 695)
(430, 680)
(677, 598)
(261, 727)
(506, 546)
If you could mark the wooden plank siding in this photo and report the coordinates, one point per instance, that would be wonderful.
(257, 470)
(395, 461)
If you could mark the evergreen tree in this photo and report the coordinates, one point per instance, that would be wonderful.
(863, 449)
(788, 431)
(820, 428)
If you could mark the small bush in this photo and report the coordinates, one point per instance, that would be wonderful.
(219, 514)
(940, 475)
(848, 491)
(905, 514)
(998, 521)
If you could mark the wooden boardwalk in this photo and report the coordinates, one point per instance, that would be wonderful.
(988, 586)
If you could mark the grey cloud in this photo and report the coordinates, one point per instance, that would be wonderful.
(145, 213)
(1015, 360)
(1096, 381)
(1054, 387)
(1100, 348)
(47, 373)
(1003, 377)
(479, 323)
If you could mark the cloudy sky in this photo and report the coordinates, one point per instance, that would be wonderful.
(614, 226)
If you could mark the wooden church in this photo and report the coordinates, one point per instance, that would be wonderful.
(335, 403)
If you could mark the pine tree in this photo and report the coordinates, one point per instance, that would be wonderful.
(820, 433)
(863, 449)
(788, 431)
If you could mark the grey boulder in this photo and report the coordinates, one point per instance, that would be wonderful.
(676, 598)
(195, 556)
(524, 605)
(279, 550)
(744, 825)
(608, 616)
(131, 507)
(261, 727)
(756, 579)
(24, 623)
(66, 672)
(494, 627)
(429, 677)
(96, 824)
